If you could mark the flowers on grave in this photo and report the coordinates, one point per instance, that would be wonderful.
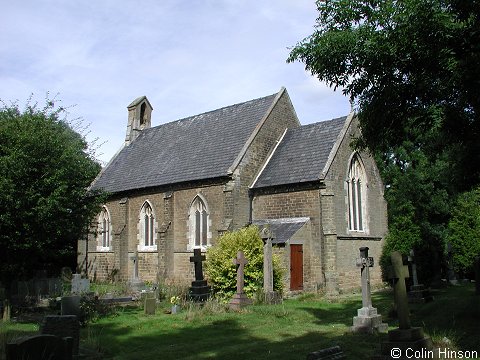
(175, 300)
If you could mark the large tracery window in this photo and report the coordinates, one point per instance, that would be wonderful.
(146, 226)
(356, 192)
(199, 220)
(103, 230)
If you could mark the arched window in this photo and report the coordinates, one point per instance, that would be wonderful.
(147, 227)
(103, 230)
(356, 192)
(199, 223)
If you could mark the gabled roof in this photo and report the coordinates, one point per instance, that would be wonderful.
(303, 154)
(199, 147)
(282, 229)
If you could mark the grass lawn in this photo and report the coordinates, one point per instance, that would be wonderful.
(287, 331)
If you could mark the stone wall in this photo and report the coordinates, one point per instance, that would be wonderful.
(344, 250)
(299, 203)
(280, 118)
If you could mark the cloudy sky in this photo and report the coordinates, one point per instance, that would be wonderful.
(187, 57)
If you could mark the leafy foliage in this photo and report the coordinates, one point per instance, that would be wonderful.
(464, 231)
(409, 68)
(222, 272)
(44, 174)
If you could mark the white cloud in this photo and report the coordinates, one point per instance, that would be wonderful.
(186, 56)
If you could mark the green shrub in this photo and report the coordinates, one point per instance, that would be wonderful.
(222, 273)
(464, 231)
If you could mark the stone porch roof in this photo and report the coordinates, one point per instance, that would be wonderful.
(282, 229)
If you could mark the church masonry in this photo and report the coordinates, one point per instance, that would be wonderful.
(180, 185)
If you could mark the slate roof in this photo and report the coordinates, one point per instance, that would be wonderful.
(302, 154)
(199, 147)
(283, 229)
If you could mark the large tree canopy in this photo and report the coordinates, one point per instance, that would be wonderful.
(411, 68)
(409, 65)
(45, 170)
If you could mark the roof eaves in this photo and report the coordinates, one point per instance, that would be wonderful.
(336, 146)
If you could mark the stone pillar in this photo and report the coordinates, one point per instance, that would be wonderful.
(169, 219)
(120, 241)
(267, 235)
(329, 229)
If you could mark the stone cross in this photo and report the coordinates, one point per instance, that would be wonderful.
(197, 259)
(398, 273)
(412, 261)
(267, 235)
(135, 265)
(241, 261)
(364, 262)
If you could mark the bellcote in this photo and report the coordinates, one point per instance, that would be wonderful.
(139, 118)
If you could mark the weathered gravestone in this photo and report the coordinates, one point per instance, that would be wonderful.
(79, 285)
(150, 305)
(62, 326)
(477, 275)
(271, 297)
(418, 293)
(40, 283)
(406, 336)
(240, 299)
(40, 347)
(367, 319)
(199, 291)
(135, 284)
(331, 353)
(70, 305)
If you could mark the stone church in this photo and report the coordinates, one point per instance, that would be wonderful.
(180, 185)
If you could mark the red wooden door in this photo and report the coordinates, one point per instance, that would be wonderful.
(296, 267)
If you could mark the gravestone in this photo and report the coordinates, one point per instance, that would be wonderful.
(40, 347)
(367, 319)
(54, 287)
(62, 326)
(477, 275)
(135, 284)
(240, 299)
(66, 274)
(150, 305)
(271, 297)
(70, 305)
(406, 336)
(331, 353)
(418, 293)
(40, 283)
(199, 291)
(79, 285)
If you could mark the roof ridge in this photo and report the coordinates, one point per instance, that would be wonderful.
(210, 111)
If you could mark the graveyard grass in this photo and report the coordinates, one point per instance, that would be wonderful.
(286, 331)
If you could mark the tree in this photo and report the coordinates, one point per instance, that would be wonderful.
(411, 69)
(45, 169)
(406, 64)
(221, 271)
(464, 231)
